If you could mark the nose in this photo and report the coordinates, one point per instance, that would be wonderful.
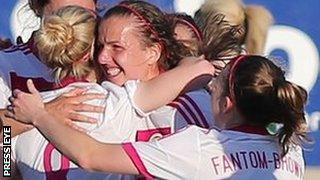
(105, 56)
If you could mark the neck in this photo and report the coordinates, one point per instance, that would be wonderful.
(91, 77)
(231, 120)
(152, 73)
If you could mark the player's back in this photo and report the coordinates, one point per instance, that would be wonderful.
(38, 159)
(230, 154)
(197, 153)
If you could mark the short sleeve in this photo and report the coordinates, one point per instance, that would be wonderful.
(119, 120)
(176, 156)
(131, 88)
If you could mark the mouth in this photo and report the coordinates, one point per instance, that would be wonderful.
(112, 71)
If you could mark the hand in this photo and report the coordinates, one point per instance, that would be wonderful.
(198, 65)
(67, 106)
(191, 60)
(25, 107)
(219, 66)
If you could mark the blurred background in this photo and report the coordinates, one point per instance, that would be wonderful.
(295, 38)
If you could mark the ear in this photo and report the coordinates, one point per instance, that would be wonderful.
(228, 105)
(153, 53)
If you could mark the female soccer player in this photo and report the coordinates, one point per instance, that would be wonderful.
(19, 62)
(250, 93)
(65, 42)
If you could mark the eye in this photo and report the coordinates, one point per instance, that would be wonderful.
(117, 47)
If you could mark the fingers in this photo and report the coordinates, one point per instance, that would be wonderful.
(31, 87)
(10, 108)
(88, 108)
(9, 114)
(75, 92)
(81, 118)
(72, 125)
(16, 93)
(87, 97)
(82, 98)
(11, 99)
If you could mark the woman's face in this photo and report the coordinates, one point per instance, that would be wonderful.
(122, 53)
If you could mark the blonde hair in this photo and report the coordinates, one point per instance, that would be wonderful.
(64, 39)
(249, 24)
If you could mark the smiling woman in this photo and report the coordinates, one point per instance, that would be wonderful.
(135, 43)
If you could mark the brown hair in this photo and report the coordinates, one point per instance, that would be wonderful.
(262, 96)
(37, 6)
(64, 38)
(194, 45)
(154, 29)
(219, 40)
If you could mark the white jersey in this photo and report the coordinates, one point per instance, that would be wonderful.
(38, 159)
(192, 108)
(20, 60)
(121, 122)
(197, 153)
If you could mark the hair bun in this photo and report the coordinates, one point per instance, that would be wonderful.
(60, 34)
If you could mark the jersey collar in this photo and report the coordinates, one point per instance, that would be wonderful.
(250, 129)
(68, 80)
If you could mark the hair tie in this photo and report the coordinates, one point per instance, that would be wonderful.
(194, 28)
(147, 23)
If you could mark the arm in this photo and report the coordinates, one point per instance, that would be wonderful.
(167, 86)
(84, 150)
(65, 105)
(16, 127)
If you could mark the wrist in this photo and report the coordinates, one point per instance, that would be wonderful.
(39, 117)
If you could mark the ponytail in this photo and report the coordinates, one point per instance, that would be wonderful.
(262, 96)
(258, 20)
(292, 99)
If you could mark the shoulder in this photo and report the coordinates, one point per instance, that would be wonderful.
(90, 87)
(194, 108)
(190, 134)
(199, 97)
